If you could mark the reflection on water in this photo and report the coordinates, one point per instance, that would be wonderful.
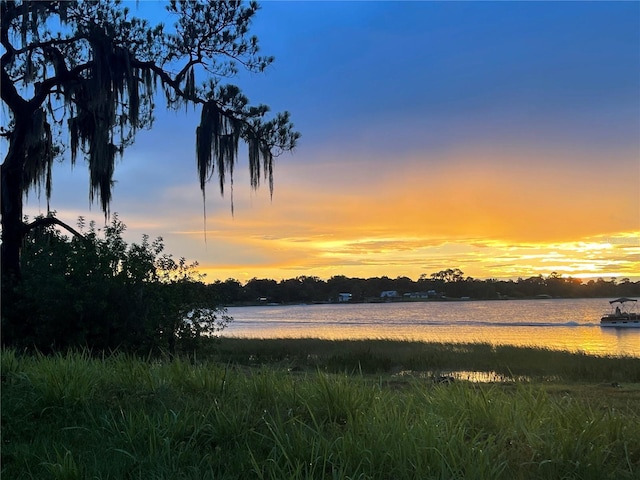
(566, 324)
(465, 375)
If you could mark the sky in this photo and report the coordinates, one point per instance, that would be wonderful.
(500, 138)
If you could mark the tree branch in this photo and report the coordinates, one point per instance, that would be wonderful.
(44, 88)
(48, 221)
(49, 43)
(175, 85)
(9, 93)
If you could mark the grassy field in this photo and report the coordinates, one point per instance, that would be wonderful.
(298, 409)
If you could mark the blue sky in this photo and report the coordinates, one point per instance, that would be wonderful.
(430, 63)
(501, 138)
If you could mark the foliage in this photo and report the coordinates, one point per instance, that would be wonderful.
(449, 283)
(97, 291)
(97, 75)
(77, 416)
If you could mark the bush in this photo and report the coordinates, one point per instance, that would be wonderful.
(94, 290)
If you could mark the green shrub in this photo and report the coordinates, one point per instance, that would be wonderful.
(95, 291)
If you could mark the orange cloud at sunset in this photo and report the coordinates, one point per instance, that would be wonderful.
(491, 213)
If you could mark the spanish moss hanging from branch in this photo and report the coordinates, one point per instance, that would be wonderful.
(86, 90)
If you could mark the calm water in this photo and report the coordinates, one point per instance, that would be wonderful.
(556, 324)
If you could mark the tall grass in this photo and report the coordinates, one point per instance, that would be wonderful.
(388, 356)
(74, 416)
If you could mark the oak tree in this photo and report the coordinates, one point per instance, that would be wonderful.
(80, 78)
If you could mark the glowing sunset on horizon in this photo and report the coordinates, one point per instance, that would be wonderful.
(502, 139)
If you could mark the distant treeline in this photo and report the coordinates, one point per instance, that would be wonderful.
(446, 284)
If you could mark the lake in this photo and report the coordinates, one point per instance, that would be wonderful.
(558, 324)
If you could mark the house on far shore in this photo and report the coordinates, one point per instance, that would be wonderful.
(414, 295)
(389, 294)
(344, 297)
(421, 295)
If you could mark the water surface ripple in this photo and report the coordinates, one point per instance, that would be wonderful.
(559, 324)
